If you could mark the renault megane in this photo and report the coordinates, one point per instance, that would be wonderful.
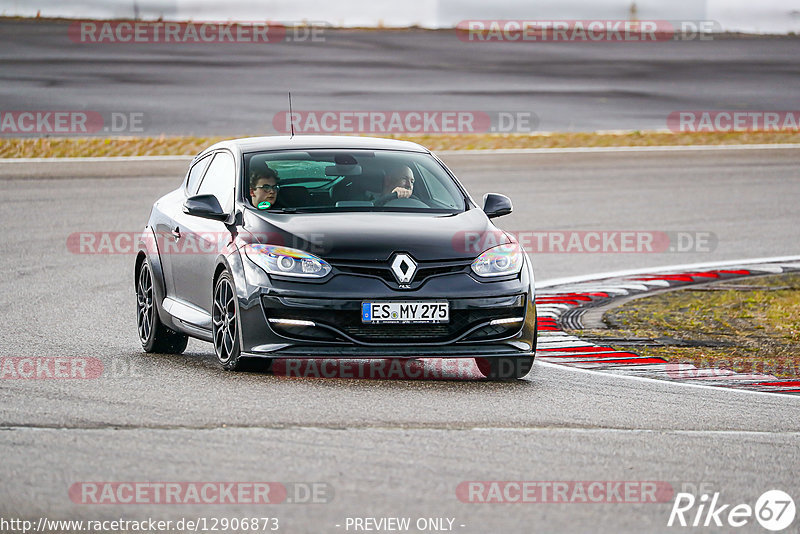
(333, 247)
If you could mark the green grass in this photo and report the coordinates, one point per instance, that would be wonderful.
(750, 325)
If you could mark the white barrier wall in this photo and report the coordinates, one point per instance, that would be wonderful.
(755, 16)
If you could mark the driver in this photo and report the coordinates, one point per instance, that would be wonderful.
(400, 180)
(398, 183)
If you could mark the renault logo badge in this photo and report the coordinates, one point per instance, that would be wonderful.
(404, 268)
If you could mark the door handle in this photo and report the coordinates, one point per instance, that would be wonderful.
(176, 233)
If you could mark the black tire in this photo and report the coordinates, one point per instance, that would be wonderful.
(255, 365)
(505, 368)
(225, 325)
(153, 334)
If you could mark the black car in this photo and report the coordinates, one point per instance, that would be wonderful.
(363, 248)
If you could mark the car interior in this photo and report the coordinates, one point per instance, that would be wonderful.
(343, 182)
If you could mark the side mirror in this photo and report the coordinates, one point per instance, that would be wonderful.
(205, 206)
(496, 205)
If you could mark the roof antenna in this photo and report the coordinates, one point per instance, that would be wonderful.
(291, 115)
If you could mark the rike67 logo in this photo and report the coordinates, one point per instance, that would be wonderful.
(774, 510)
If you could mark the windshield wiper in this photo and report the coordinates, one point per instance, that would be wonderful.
(298, 210)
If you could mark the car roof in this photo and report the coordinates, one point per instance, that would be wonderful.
(315, 142)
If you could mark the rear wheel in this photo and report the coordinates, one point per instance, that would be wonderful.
(155, 337)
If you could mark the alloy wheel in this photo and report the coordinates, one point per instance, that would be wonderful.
(224, 319)
(144, 303)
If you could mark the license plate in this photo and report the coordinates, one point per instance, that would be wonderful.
(405, 312)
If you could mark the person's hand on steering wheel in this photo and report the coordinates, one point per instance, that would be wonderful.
(402, 192)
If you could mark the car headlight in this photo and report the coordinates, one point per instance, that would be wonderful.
(287, 261)
(502, 260)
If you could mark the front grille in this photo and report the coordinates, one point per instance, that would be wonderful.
(382, 270)
(397, 332)
(338, 325)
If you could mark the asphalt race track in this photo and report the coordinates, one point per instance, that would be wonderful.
(385, 447)
(236, 89)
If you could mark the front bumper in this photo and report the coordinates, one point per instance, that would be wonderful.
(290, 319)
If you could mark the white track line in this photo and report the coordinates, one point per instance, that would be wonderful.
(585, 150)
(657, 380)
(754, 262)
(98, 159)
(652, 270)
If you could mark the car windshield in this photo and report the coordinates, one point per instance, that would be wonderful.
(349, 180)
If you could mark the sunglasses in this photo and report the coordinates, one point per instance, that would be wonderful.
(268, 187)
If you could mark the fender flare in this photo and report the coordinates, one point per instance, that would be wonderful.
(147, 246)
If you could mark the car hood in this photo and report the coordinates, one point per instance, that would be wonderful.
(375, 236)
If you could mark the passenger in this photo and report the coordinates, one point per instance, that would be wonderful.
(264, 188)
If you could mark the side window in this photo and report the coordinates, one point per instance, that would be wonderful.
(194, 175)
(220, 180)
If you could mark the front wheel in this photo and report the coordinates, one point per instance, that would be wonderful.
(225, 330)
(225, 324)
(505, 368)
(155, 337)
